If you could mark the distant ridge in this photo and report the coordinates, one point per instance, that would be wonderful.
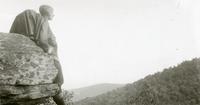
(178, 85)
(94, 90)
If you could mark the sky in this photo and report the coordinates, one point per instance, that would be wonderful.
(116, 41)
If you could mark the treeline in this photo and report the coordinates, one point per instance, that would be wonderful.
(178, 85)
(67, 96)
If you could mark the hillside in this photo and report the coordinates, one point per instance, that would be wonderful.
(178, 85)
(94, 90)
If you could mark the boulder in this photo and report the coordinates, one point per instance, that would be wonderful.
(26, 72)
(22, 94)
(24, 63)
(41, 101)
(17, 93)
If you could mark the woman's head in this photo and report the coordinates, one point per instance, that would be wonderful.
(46, 11)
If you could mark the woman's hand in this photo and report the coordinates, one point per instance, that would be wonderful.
(50, 50)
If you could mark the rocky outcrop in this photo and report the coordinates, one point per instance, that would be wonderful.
(26, 72)
(42, 101)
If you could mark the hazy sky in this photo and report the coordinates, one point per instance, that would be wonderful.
(116, 41)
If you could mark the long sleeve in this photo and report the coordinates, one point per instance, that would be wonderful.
(52, 38)
(44, 36)
(52, 41)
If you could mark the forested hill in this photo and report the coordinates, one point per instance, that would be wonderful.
(178, 85)
(94, 90)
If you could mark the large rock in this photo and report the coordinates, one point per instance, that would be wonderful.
(26, 72)
(17, 93)
(41, 101)
(24, 63)
(24, 94)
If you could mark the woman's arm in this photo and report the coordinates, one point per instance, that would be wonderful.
(44, 38)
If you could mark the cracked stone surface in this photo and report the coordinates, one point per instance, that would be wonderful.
(24, 63)
(26, 72)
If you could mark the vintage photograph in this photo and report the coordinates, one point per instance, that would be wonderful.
(100, 52)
